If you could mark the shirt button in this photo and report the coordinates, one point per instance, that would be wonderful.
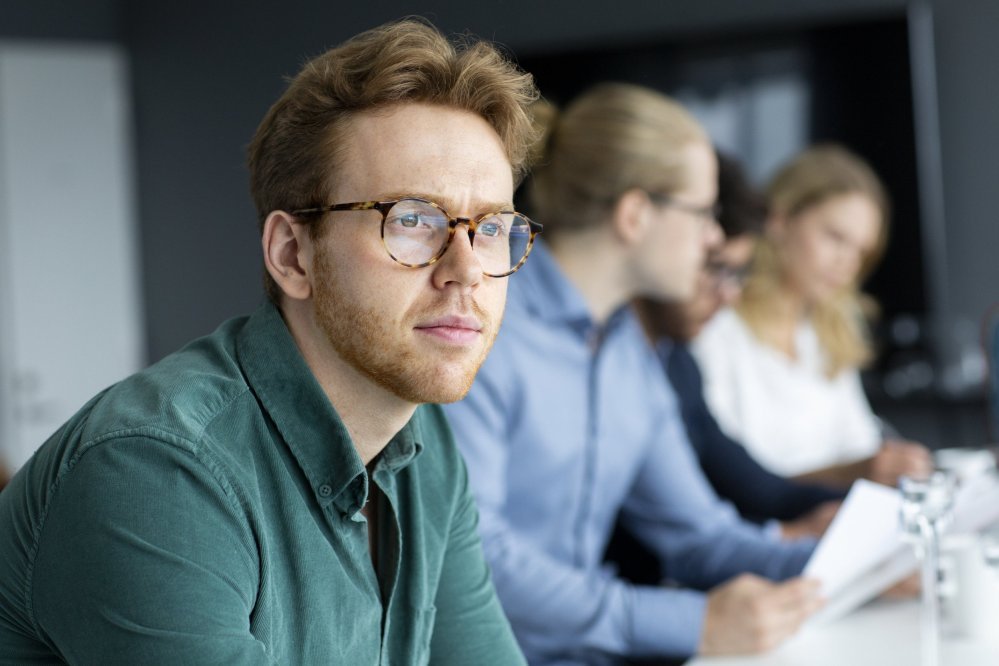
(325, 490)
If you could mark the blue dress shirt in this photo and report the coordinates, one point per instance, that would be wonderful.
(567, 424)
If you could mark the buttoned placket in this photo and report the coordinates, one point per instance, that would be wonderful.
(343, 514)
(348, 505)
(593, 337)
(389, 539)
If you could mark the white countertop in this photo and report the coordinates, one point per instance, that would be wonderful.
(882, 633)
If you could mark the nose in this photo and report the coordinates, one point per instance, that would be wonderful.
(459, 266)
(713, 236)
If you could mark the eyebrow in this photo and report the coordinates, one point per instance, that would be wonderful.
(488, 207)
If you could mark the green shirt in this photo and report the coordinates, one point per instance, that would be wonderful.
(208, 511)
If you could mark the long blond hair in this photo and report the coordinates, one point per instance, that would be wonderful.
(842, 321)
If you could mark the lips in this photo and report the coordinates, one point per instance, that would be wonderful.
(453, 321)
(455, 329)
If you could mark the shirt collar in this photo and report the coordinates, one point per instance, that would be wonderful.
(545, 291)
(301, 412)
(665, 346)
(405, 446)
(548, 295)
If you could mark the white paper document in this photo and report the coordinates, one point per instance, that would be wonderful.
(863, 552)
(864, 533)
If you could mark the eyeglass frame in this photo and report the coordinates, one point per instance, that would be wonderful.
(708, 213)
(384, 207)
(723, 274)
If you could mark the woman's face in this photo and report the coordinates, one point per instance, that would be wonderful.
(824, 247)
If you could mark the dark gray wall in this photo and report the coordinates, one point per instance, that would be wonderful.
(204, 74)
(967, 48)
(61, 19)
(204, 78)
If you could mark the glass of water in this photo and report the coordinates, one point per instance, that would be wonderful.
(926, 508)
(990, 547)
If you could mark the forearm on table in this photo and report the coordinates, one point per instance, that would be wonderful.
(556, 607)
(840, 476)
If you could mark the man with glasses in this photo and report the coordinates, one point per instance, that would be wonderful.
(279, 492)
(802, 509)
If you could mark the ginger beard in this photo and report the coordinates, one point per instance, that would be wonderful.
(387, 349)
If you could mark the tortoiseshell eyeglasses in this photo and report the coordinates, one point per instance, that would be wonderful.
(417, 232)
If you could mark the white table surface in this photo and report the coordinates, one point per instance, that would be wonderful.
(882, 633)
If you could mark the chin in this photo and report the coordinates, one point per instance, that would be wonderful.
(823, 293)
(692, 332)
(453, 386)
(440, 385)
(675, 292)
(443, 393)
(453, 394)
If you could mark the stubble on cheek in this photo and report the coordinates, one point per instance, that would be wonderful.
(385, 347)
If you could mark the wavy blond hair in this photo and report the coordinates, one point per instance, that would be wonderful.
(296, 151)
(842, 321)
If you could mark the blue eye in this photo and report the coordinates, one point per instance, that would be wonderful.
(411, 220)
(490, 228)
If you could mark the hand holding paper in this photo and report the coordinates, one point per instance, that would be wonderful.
(863, 553)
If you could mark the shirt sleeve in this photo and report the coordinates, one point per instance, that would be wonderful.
(161, 572)
(557, 608)
(469, 627)
(701, 540)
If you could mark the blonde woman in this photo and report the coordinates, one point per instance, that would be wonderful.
(781, 366)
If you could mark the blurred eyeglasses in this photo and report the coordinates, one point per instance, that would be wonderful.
(706, 213)
(726, 275)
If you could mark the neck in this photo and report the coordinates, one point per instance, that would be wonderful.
(371, 413)
(596, 268)
(785, 309)
(661, 319)
(789, 305)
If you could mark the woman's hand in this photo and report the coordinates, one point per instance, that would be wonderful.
(897, 458)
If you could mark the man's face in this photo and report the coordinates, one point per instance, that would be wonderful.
(421, 333)
(674, 250)
(718, 285)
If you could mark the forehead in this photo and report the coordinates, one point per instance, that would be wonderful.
(853, 215)
(701, 171)
(447, 154)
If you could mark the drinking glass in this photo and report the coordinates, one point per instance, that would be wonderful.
(990, 547)
(926, 510)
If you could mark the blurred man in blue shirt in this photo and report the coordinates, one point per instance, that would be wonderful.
(796, 508)
(571, 420)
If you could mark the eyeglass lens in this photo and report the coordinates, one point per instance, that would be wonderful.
(731, 275)
(415, 232)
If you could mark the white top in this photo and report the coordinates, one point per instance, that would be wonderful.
(786, 412)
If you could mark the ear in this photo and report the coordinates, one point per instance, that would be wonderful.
(288, 254)
(631, 216)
